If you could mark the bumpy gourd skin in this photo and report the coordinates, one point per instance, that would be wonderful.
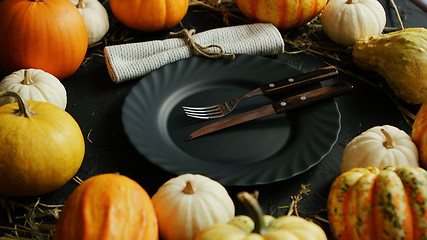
(369, 203)
(401, 58)
(284, 227)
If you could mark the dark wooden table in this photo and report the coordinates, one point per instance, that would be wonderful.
(95, 102)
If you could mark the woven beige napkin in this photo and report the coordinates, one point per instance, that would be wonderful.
(134, 60)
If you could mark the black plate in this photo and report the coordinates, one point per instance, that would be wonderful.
(257, 152)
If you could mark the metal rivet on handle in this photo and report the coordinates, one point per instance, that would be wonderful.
(291, 80)
(303, 98)
(271, 85)
(282, 104)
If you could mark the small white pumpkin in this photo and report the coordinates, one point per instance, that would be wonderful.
(380, 146)
(95, 17)
(34, 84)
(346, 21)
(189, 203)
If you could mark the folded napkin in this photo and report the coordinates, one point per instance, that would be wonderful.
(134, 60)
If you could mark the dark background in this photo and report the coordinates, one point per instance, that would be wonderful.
(95, 102)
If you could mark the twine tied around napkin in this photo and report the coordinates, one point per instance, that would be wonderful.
(197, 49)
(134, 60)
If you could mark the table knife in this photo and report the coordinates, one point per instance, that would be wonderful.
(293, 102)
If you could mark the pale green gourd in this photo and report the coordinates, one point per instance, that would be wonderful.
(401, 58)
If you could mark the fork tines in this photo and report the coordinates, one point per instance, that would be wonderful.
(203, 112)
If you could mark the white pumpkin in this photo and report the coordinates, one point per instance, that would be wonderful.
(346, 21)
(34, 84)
(380, 146)
(95, 17)
(189, 203)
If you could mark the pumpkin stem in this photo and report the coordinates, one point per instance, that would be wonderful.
(27, 80)
(388, 140)
(80, 4)
(189, 188)
(254, 210)
(23, 108)
(351, 1)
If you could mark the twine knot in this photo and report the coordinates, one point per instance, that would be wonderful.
(197, 49)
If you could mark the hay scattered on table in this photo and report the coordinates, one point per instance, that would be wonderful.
(29, 221)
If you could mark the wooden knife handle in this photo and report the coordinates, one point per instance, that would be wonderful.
(299, 80)
(311, 97)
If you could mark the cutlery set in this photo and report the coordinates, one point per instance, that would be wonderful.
(281, 106)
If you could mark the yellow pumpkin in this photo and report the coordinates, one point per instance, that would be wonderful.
(149, 15)
(283, 14)
(369, 203)
(107, 206)
(41, 147)
(262, 227)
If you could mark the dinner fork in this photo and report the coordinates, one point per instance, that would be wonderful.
(224, 108)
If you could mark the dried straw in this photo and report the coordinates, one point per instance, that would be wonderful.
(29, 221)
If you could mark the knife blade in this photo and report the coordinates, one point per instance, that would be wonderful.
(296, 101)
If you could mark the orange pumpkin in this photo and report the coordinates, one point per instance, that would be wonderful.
(107, 206)
(419, 134)
(149, 15)
(43, 34)
(283, 14)
(368, 203)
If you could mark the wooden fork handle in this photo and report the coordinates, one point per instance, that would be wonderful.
(299, 80)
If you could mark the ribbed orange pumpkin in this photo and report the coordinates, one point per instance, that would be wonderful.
(283, 14)
(43, 34)
(149, 15)
(368, 203)
(419, 134)
(107, 206)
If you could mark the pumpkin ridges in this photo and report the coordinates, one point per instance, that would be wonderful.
(57, 49)
(191, 212)
(345, 22)
(338, 198)
(419, 136)
(34, 84)
(367, 149)
(283, 14)
(260, 226)
(338, 201)
(108, 206)
(415, 183)
(360, 206)
(175, 11)
(391, 207)
(398, 206)
(139, 14)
